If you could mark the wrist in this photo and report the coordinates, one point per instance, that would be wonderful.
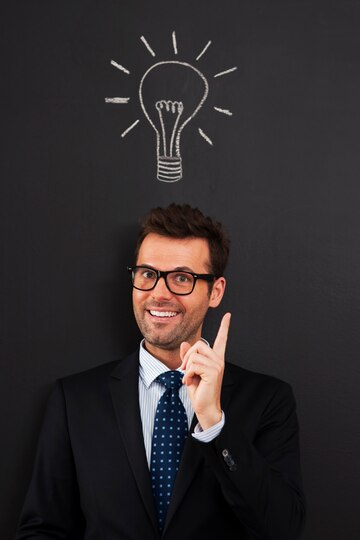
(209, 419)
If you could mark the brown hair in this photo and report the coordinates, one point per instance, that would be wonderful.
(183, 221)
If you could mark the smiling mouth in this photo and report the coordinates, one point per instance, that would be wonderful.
(163, 314)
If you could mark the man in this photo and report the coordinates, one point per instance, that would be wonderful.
(235, 474)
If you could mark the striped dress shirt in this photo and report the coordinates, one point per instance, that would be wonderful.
(150, 392)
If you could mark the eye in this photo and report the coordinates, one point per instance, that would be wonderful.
(146, 273)
(182, 278)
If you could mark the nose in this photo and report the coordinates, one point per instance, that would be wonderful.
(160, 291)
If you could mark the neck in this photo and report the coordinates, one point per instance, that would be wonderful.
(171, 359)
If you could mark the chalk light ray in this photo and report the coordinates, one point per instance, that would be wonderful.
(124, 133)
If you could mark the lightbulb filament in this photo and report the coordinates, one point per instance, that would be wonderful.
(175, 108)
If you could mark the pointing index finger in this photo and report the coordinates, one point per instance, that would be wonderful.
(222, 335)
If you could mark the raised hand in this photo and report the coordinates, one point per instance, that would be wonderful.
(204, 369)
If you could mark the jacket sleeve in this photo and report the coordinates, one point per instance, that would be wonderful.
(260, 476)
(52, 509)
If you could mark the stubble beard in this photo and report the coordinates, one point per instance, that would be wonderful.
(168, 340)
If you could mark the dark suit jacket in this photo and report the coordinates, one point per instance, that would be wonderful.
(91, 478)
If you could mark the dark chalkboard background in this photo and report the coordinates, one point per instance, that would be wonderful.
(283, 175)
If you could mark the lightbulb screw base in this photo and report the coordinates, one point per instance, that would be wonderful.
(169, 169)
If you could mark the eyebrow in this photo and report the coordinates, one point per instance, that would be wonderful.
(183, 269)
(177, 269)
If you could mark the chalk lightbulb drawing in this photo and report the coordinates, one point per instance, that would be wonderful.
(171, 93)
(188, 88)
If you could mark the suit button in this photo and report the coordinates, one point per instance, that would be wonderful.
(229, 460)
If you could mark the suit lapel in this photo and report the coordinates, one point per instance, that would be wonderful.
(124, 384)
(192, 457)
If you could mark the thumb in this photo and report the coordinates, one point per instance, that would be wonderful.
(184, 347)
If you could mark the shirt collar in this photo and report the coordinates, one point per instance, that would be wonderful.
(150, 367)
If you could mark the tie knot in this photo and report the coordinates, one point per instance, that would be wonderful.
(171, 379)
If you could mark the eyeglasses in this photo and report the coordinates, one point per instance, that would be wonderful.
(177, 281)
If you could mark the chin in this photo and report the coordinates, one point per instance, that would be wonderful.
(162, 343)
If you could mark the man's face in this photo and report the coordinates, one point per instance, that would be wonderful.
(165, 319)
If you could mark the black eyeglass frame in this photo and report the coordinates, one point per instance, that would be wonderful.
(210, 278)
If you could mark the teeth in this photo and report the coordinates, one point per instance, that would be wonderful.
(163, 313)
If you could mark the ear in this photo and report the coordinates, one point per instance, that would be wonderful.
(217, 292)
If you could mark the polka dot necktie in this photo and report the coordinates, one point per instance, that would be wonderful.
(170, 432)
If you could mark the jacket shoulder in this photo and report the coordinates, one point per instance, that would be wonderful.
(98, 375)
(260, 382)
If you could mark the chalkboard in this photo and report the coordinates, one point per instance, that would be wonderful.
(272, 151)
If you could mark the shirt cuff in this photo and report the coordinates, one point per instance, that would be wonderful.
(210, 434)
